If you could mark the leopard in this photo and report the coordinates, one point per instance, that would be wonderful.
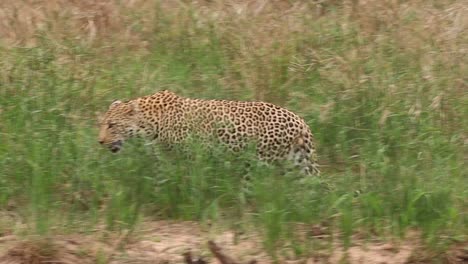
(170, 119)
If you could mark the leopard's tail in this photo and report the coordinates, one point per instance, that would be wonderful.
(304, 153)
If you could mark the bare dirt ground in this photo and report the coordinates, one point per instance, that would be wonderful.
(167, 242)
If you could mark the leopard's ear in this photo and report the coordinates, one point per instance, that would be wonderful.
(115, 103)
(132, 108)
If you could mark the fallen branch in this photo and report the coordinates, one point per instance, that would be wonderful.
(223, 258)
(216, 251)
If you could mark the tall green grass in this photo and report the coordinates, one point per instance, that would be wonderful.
(383, 128)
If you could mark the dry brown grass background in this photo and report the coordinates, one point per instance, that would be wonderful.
(258, 22)
(253, 32)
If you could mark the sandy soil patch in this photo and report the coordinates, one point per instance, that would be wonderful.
(167, 242)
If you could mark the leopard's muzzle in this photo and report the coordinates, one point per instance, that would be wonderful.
(115, 146)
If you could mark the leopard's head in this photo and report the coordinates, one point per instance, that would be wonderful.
(119, 123)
